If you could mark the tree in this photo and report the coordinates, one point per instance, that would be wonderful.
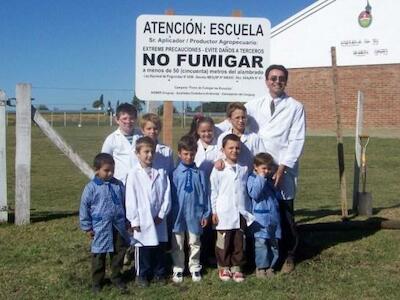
(99, 103)
(137, 103)
(160, 110)
(110, 110)
(42, 107)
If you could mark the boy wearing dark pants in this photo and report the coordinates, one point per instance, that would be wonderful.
(230, 210)
(102, 216)
(148, 201)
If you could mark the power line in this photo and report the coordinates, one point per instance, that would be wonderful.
(81, 89)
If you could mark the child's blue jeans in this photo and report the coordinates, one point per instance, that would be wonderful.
(267, 253)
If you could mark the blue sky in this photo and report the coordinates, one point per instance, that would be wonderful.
(74, 50)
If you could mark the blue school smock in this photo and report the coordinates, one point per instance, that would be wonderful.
(265, 207)
(102, 209)
(190, 201)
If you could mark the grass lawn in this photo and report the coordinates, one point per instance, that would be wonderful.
(50, 258)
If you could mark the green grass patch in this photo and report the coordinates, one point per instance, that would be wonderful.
(50, 259)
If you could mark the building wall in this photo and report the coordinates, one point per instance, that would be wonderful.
(379, 83)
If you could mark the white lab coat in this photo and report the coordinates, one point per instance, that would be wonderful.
(145, 199)
(251, 144)
(163, 159)
(117, 145)
(283, 134)
(205, 158)
(229, 197)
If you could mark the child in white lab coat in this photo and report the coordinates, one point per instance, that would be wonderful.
(251, 144)
(121, 143)
(230, 210)
(148, 202)
(150, 124)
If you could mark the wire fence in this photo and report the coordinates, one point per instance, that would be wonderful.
(82, 118)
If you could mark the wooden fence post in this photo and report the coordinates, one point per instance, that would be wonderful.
(357, 150)
(23, 154)
(3, 160)
(339, 138)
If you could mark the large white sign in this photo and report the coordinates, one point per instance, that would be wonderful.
(197, 58)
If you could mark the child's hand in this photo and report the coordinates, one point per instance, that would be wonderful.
(135, 228)
(219, 165)
(157, 220)
(90, 233)
(215, 219)
(204, 223)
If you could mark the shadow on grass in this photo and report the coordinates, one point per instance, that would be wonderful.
(44, 216)
(312, 215)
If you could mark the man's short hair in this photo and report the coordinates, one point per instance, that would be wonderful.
(188, 143)
(102, 159)
(145, 141)
(150, 117)
(276, 67)
(234, 106)
(230, 137)
(127, 109)
(263, 158)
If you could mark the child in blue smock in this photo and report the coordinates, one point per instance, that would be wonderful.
(190, 210)
(102, 216)
(265, 208)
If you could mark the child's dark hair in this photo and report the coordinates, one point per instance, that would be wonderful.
(126, 108)
(145, 141)
(199, 119)
(150, 117)
(102, 159)
(188, 143)
(230, 137)
(234, 106)
(263, 158)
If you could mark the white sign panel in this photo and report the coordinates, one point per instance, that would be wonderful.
(197, 58)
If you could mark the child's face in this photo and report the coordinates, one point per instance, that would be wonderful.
(145, 155)
(205, 132)
(105, 172)
(151, 130)
(186, 156)
(238, 120)
(232, 150)
(126, 122)
(264, 170)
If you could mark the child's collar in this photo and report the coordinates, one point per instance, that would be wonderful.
(97, 180)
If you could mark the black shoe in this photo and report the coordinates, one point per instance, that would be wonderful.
(96, 288)
(142, 282)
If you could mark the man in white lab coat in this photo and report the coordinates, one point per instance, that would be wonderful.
(279, 120)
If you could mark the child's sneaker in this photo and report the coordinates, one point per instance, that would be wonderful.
(196, 276)
(238, 277)
(224, 274)
(177, 277)
(269, 272)
(260, 273)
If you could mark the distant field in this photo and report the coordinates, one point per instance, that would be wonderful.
(50, 259)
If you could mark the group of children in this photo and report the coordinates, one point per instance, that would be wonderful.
(139, 199)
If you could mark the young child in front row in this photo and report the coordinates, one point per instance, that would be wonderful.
(230, 210)
(150, 124)
(102, 216)
(266, 227)
(190, 210)
(251, 144)
(148, 201)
